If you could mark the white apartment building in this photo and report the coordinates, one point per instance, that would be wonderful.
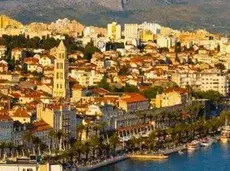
(86, 77)
(204, 81)
(164, 42)
(131, 31)
(215, 81)
(153, 27)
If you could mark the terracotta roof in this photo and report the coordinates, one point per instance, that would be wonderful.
(21, 112)
(31, 60)
(101, 91)
(41, 126)
(77, 87)
(4, 116)
(133, 97)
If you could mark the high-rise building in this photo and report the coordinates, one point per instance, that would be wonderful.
(131, 31)
(114, 31)
(6, 22)
(61, 69)
(153, 27)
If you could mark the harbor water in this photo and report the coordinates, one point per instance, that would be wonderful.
(213, 158)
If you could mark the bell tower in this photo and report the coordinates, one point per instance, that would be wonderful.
(61, 70)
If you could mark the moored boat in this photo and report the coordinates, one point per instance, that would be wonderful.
(225, 133)
(206, 142)
(180, 152)
(193, 145)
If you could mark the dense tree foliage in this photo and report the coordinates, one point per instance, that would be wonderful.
(151, 92)
(214, 96)
(220, 66)
(89, 50)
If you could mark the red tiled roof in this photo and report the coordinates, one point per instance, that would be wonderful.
(133, 97)
(31, 60)
(41, 126)
(4, 116)
(101, 91)
(21, 112)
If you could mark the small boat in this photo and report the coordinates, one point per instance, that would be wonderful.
(193, 145)
(180, 152)
(206, 142)
(225, 133)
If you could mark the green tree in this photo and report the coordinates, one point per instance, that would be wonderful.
(151, 92)
(220, 66)
(130, 88)
(89, 50)
(114, 141)
(104, 84)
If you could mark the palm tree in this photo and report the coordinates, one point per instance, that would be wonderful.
(114, 141)
(152, 140)
(37, 142)
(27, 139)
(78, 146)
(52, 138)
(80, 128)
(10, 146)
(2, 147)
(59, 136)
(94, 143)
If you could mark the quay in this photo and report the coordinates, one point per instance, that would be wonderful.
(161, 155)
(103, 163)
(147, 156)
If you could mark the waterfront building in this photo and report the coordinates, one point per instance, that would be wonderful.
(60, 76)
(59, 117)
(6, 126)
(114, 31)
(41, 130)
(29, 166)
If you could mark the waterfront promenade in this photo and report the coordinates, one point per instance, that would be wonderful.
(103, 163)
(124, 157)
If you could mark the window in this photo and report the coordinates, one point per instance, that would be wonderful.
(60, 85)
(61, 75)
(57, 76)
(57, 85)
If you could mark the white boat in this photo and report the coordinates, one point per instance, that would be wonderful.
(193, 145)
(206, 142)
(225, 133)
(180, 152)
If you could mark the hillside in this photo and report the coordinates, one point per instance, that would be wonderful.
(187, 14)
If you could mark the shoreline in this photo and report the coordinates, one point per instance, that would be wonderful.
(160, 155)
(104, 163)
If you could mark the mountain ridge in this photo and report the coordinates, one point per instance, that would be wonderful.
(185, 14)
